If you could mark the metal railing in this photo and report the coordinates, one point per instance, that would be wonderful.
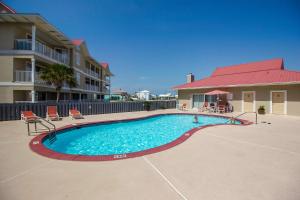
(92, 73)
(92, 87)
(232, 119)
(23, 76)
(26, 76)
(26, 44)
(45, 124)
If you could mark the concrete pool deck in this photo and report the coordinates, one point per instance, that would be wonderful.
(224, 162)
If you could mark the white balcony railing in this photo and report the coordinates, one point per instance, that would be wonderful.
(91, 72)
(23, 76)
(92, 87)
(26, 44)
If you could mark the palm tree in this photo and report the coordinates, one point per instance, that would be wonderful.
(56, 75)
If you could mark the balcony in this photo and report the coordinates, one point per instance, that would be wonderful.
(26, 44)
(92, 88)
(92, 73)
(25, 76)
(107, 81)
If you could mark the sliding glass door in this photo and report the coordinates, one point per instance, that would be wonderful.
(198, 100)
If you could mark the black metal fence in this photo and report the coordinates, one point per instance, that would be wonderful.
(12, 111)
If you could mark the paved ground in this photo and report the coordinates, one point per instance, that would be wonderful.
(226, 162)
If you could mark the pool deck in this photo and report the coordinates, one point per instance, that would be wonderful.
(259, 161)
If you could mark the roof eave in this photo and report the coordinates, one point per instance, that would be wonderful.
(240, 85)
(39, 21)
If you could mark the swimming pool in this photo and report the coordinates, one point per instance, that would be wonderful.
(128, 138)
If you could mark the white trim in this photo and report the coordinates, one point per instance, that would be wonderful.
(241, 85)
(30, 84)
(16, 84)
(32, 70)
(15, 52)
(285, 101)
(254, 100)
(86, 74)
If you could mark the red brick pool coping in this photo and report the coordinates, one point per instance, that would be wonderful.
(36, 144)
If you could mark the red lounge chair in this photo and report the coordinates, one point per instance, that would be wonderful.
(52, 113)
(75, 114)
(28, 116)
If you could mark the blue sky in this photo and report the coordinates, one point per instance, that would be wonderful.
(153, 44)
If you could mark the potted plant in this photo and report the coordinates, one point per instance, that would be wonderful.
(147, 105)
(261, 110)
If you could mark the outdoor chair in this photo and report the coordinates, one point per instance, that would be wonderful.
(212, 108)
(75, 114)
(183, 107)
(28, 116)
(204, 107)
(221, 108)
(52, 113)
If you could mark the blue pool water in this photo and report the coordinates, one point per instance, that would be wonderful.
(127, 137)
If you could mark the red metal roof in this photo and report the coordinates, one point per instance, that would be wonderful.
(104, 65)
(250, 67)
(7, 8)
(77, 42)
(255, 73)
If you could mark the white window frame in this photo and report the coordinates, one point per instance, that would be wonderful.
(285, 100)
(254, 100)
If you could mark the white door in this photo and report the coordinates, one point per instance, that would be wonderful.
(249, 101)
(278, 102)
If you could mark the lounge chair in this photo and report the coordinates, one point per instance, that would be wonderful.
(52, 113)
(28, 116)
(183, 107)
(75, 114)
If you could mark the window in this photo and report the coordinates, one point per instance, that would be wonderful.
(78, 78)
(77, 58)
(211, 98)
(198, 100)
(87, 81)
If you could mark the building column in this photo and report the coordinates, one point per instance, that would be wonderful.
(32, 96)
(109, 92)
(79, 96)
(32, 70)
(33, 31)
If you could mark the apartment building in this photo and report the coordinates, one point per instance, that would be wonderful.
(28, 43)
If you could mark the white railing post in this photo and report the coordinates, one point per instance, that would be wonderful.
(32, 96)
(33, 31)
(32, 70)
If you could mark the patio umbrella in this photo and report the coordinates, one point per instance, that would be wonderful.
(216, 92)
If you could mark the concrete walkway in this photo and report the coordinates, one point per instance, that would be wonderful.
(224, 162)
